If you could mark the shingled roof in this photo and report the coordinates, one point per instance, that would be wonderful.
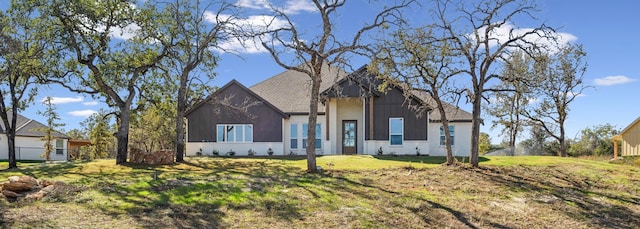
(289, 90)
(30, 128)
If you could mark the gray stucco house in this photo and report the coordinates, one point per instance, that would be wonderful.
(354, 118)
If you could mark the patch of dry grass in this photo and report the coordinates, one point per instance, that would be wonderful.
(402, 192)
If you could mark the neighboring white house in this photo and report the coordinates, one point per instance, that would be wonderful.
(29, 144)
(354, 117)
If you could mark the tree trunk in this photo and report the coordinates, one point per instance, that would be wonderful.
(475, 130)
(180, 119)
(512, 141)
(447, 139)
(563, 145)
(11, 142)
(123, 135)
(313, 119)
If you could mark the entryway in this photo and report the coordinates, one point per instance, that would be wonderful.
(349, 136)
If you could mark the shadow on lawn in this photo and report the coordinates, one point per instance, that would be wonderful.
(427, 159)
(574, 195)
(178, 198)
(426, 206)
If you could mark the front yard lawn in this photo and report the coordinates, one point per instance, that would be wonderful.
(351, 192)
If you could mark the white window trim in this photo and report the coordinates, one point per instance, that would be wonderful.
(291, 137)
(401, 132)
(318, 137)
(235, 136)
(61, 149)
(440, 142)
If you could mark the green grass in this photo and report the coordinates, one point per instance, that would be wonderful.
(5, 164)
(352, 192)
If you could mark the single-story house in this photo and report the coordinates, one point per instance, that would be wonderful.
(354, 117)
(29, 144)
(630, 139)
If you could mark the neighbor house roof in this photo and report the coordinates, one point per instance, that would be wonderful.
(630, 126)
(30, 128)
(289, 90)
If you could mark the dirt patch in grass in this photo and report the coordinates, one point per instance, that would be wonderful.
(275, 193)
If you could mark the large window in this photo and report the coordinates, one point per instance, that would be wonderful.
(396, 130)
(294, 136)
(235, 133)
(305, 128)
(59, 147)
(442, 136)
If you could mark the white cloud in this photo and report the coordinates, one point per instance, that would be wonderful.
(255, 23)
(63, 100)
(613, 80)
(125, 33)
(90, 103)
(83, 113)
(502, 34)
(254, 4)
(289, 7)
(298, 6)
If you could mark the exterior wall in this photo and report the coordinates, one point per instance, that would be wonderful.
(631, 140)
(332, 119)
(267, 122)
(346, 109)
(408, 147)
(462, 140)
(393, 105)
(30, 148)
(241, 149)
(303, 119)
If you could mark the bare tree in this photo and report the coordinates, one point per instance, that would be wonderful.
(423, 63)
(311, 49)
(196, 28)
(514, 96)
(563, 73)
(480, 34)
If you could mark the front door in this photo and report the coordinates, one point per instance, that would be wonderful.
(349, 136)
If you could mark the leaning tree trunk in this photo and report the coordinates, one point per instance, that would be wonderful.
(313, 119)
(123, 135)
(445, 127)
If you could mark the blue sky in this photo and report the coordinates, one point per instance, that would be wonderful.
(607, 30)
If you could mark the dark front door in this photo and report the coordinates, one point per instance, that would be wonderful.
(349, 136)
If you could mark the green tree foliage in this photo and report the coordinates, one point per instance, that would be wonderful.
(153, 128)
(100, 135)
(195, 28)
(101, 51)
(53, 119)
(594, 141)
(561, 75)
(484, 143)
(21, 65)
(77, 134)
